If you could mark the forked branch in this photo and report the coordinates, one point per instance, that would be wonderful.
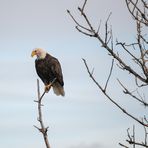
(114, 102)
(89, 30)
(139, 13)
(42, 128)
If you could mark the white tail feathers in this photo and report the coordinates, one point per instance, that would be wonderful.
(58, 89)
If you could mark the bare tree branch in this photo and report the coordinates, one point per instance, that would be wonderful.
(115, 103)
(42, 128)
(132, 139)
(78, 25)
(90, 31)
(135, 9)
(126, 91)
(136, 66)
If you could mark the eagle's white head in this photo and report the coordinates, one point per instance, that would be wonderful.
(39, 52)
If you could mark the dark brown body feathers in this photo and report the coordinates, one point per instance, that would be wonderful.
(48, 69)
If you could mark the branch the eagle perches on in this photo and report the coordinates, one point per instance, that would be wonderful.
(42, 127)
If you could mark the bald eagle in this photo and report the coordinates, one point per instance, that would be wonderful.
(48, 68)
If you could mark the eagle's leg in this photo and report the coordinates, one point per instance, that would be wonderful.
(47, 88)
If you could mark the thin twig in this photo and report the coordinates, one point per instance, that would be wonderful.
(83, 7)
(99, 27)
(134, 136)
(106, 29)
(123, 145)
(111, 69)
(146, 135)
(77, 22)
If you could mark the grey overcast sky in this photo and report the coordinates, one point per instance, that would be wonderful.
(84, 118)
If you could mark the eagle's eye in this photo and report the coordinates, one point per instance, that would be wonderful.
(35, 51)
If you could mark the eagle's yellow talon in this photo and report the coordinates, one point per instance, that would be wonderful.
(47, 88)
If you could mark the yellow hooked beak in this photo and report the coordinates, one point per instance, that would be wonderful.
(33, 53)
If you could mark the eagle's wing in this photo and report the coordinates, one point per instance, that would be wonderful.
(57, 71)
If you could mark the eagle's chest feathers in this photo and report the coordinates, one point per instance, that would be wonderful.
(43, 68)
